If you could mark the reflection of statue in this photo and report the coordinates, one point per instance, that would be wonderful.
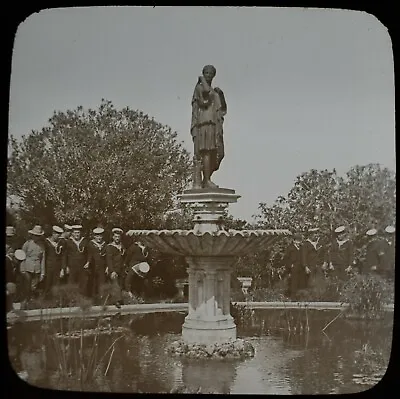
(208, 111)
(200, 377)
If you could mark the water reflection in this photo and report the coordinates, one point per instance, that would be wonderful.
(286, 362)
(199, 376)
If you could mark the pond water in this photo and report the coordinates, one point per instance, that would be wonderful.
(295, 362)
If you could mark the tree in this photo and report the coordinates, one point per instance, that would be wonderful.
(107, 166)
(368, 197)
(363, 199)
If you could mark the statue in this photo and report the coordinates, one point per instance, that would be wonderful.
(208, 111)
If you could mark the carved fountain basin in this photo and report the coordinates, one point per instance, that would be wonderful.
(188, 243)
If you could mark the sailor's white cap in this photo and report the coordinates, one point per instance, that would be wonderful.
(340, 229)
(20, 254)
(390, 229)
(58, 229)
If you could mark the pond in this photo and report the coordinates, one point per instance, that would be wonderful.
(127, 354)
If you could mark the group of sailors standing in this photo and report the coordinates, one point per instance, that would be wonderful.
(308, 257)
(65, 256)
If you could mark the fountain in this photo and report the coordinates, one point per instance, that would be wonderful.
(209, 249)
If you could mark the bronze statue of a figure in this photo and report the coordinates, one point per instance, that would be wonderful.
(208, 111)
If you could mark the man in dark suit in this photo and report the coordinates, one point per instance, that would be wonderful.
(75, 262)
(341, 254)
(53, 259)
(115, 258)
(97, 261)
(294, 266)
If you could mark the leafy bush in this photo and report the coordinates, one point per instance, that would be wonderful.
(135, 299)
(237, 295)
(367, 295)
(321, 288)
(274, 294)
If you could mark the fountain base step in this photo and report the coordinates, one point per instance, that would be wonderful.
(208, 331)
(233, 349)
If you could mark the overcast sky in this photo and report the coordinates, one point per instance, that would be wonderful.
(306, 88)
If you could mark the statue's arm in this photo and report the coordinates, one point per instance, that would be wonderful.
(206, 87)
(202, 102)
(224, 106)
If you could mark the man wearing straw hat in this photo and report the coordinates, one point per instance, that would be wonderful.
(53, 263)
(75, 262)
(341, 254)
(137, 268)
(33, 267)
(115, 259)
(97, 261)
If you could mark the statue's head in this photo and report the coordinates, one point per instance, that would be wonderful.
(209, 73)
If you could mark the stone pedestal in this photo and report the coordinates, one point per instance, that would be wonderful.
(246, 284)
(209, 207)
(181, 284)
(209, 320)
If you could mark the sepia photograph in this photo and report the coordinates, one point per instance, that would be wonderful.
(200, 200)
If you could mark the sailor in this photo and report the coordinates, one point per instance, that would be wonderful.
(97, 261)
(313, 256)
(32, 268)
(67, 232)
(137, 268)
(341, 254)
(293, 261)
(115, 260)
(13, 258)
(390, 238)
(53, 263)
(75, 262)
(10, 235)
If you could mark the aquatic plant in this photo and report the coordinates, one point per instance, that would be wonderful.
(80, 362)
(367, 295)
(372, 365)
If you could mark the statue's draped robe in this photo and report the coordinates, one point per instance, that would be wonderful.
(207, 123)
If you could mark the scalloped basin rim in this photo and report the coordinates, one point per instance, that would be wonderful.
(227, 233)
